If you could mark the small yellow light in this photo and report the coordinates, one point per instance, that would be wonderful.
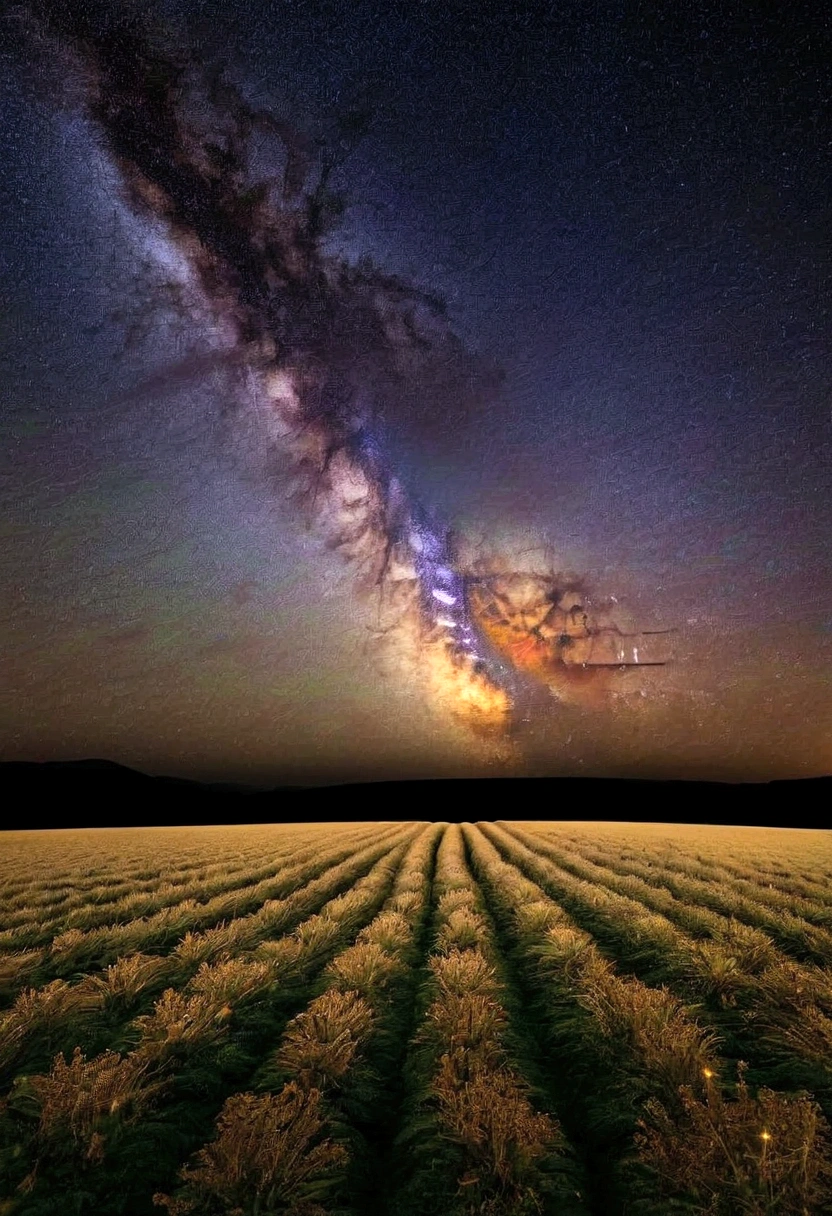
(708, 1072)
(765, 1135)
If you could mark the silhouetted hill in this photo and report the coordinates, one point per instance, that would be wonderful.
(100, 793)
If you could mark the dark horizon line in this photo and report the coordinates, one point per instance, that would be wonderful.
(76, 794)
(103, 765)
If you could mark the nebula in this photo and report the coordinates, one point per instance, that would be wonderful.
(313, 329)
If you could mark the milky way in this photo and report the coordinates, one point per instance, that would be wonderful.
(183, 143)
(615, 457)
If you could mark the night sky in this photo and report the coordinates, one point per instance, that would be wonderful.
(627, 209)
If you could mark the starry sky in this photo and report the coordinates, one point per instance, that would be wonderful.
(627, 209)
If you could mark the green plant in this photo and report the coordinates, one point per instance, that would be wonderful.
(319, 1045)
(486, 1110)
(654, 1029)
(366, 968)
(752, 1155)
(81, 1105)
(268, 1156)
(182, 1023)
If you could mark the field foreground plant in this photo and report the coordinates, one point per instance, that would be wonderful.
(267, 1157)
(753, 1155)
(276, 1151)
(472, 1095)
(712, 1148)
(390, 1040)
(81, 1106)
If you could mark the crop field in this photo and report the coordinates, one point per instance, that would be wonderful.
(416, 1019)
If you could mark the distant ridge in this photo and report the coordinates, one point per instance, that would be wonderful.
(101, 793)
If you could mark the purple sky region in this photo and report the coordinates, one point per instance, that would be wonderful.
(627, 209)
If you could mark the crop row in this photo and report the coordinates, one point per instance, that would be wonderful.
(301, 1131)
(116, 1127)
(90, 1012)
(791, 918)
(775, 1013)
(651, 1093)
(78, 950)
(795, 861)
(769, 880)
(129, 907)
(125, 901)
(63, 861)
(474, 1139)
(39, 933)
(475, 1021)
(42, 872)
(52, 899)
